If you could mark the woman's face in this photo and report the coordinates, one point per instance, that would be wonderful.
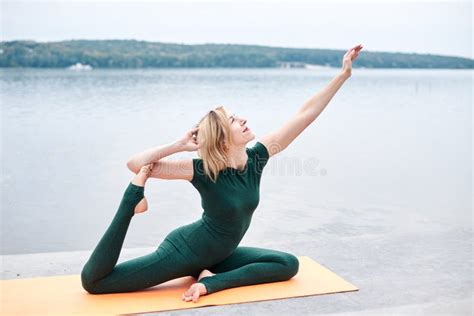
(241, 133)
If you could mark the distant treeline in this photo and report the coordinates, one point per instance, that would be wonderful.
(143, 54)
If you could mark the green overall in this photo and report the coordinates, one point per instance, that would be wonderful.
(208, 243)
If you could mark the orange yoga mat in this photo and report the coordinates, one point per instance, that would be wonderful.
(64, 294)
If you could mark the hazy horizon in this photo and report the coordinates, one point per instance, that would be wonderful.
(423, 27)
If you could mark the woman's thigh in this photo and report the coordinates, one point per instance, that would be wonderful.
(164, 264)
(244, 255)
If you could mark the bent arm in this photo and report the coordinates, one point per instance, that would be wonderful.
(152, 155)
(171, 170)
(278, 140)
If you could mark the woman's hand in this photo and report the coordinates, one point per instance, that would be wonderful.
(189, 140)
(350, 56)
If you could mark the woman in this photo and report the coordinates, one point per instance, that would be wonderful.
(227, 176)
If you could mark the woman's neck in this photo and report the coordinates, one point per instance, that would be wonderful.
(237, 157)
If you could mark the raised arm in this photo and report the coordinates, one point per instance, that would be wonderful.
(279, 139)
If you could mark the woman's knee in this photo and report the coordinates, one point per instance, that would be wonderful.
(291, 263)
(88, 283)
(94, 287)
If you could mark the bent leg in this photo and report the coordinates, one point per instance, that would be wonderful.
(164, 264)
(249, 266)
(105, 255)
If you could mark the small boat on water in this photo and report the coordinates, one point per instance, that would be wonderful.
(79, 66)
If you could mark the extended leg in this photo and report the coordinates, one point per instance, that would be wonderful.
(251, 265)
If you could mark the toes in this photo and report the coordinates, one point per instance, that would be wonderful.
(149, 168)
(186, 295)
(191, 294)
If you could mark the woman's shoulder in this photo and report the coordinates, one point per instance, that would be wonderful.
(198, 169)
(259, 151)
(259, 155)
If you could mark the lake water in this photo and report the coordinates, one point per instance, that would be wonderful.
(390, 155)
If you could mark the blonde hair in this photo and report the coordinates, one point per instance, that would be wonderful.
(214, 137)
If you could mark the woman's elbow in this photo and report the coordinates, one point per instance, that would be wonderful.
(132, 166)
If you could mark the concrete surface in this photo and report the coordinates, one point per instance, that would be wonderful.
(413, 284)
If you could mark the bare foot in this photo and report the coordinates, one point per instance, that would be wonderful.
(140, 180)
(142, 206)
(197, 289)
(193, 293)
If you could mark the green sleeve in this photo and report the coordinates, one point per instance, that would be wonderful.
(260, 155)
(198, 172)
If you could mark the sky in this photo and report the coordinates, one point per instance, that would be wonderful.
(433, 27)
